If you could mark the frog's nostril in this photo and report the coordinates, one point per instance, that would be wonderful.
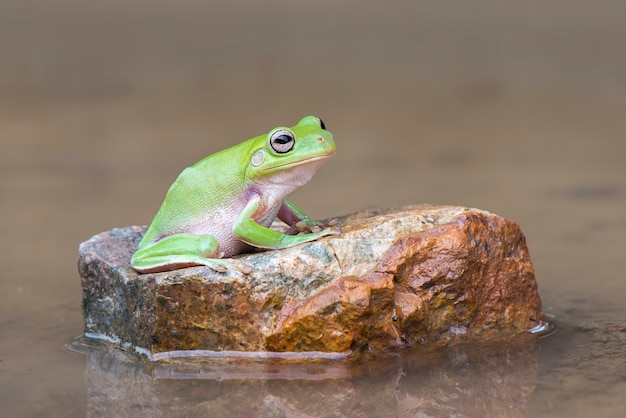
(320, 139)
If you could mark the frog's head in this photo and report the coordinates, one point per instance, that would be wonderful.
(291, 155)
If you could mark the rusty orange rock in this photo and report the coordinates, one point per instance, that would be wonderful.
(343, 316)
(467, 279)
(430, 275)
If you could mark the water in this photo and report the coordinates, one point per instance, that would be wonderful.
(518, 109)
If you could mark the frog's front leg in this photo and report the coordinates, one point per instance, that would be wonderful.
(249, 231)
(300, 221)
(178, 251)
(293, 216)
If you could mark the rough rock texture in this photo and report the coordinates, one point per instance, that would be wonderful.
(391, 279)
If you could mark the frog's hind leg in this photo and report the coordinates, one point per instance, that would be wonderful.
(178, 251)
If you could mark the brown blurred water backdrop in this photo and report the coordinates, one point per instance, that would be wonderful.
(518, 108)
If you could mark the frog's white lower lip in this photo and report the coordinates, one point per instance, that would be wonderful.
(301, 162)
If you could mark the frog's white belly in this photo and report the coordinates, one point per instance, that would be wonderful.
(219, 223)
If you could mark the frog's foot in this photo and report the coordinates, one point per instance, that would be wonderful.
(213, 264)
(222, 266)
(179, 251)
(308, 226)
(167, 263)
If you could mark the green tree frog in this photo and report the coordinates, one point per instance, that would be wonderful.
(224, 204)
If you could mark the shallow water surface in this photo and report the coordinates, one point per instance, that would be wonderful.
(464, 381)
(518, 109)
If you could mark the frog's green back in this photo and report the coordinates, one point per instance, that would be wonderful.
(207, 186)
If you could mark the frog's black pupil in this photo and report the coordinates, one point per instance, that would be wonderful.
(322, 124)
(283, 139)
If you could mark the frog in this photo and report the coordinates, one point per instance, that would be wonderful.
(224, 205)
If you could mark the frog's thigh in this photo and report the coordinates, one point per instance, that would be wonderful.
(197, 245)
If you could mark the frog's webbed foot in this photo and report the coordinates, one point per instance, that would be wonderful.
(301, 223)
(179, 251)
(331, 227)
(222, 266)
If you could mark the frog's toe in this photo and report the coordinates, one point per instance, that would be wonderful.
(246, 269)
(333, 222)
(301, 226)
(218, 267)
(334, 230)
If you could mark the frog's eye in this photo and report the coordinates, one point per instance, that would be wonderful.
(321, 122)
(282, 141)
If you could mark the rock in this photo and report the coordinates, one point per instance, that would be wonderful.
(429, 275)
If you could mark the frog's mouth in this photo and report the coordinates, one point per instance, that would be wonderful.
(299, 162)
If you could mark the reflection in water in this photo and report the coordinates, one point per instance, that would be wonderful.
(462, 381)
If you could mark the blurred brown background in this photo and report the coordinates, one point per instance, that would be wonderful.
(518, 108)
